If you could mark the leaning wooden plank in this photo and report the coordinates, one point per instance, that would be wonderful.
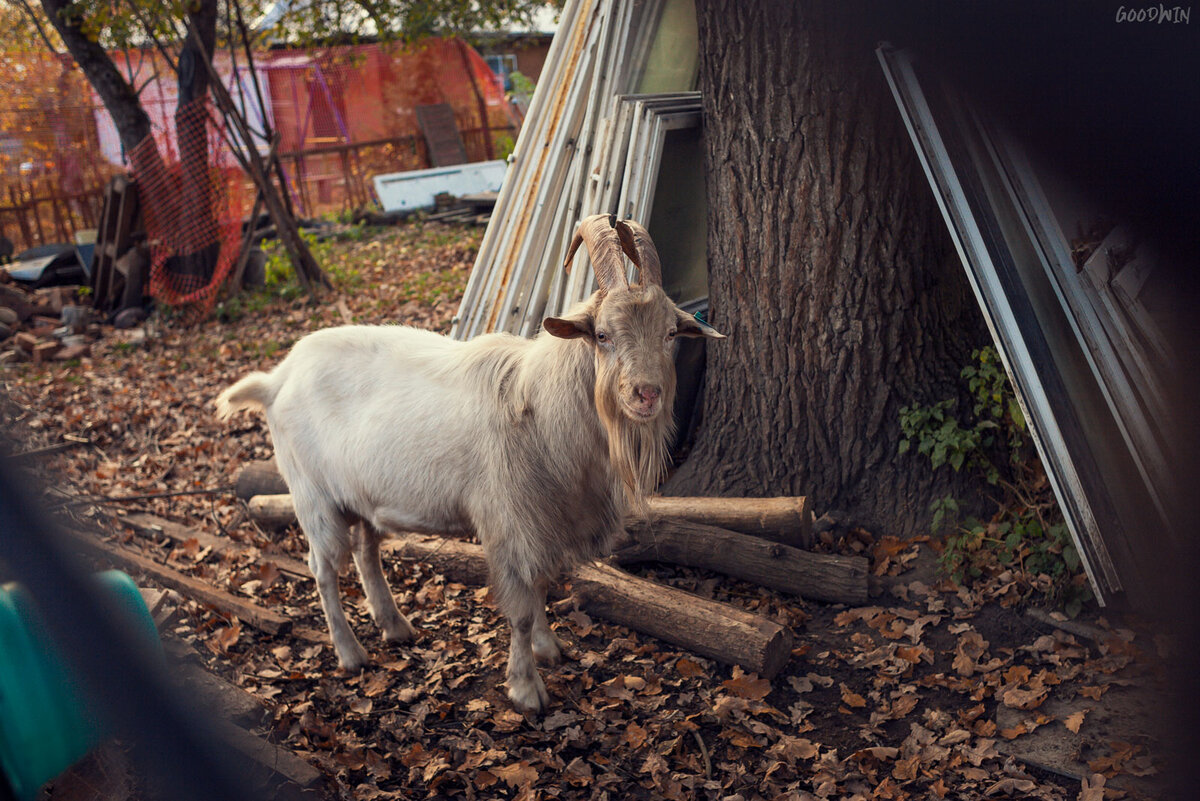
(715, 630)
(544, 188)
(821, 577)
(783, 519)
(251, 614)
(547, 186)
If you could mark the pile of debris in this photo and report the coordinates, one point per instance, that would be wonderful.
(45, 324)
(475, 208)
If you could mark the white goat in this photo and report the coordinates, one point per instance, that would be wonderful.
(535, 446)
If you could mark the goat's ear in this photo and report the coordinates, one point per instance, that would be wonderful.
(580, 325)
(690, 326)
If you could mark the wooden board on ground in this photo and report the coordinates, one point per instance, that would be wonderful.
(210, 695)
(138, 565)
(276, 772)
(150, 524)
(1125, 714)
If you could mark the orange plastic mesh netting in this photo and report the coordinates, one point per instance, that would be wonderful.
(192, 208)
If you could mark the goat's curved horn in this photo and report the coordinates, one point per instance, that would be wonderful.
(604, 248)
(636, 242)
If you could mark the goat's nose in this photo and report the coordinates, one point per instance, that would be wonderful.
(648, 393)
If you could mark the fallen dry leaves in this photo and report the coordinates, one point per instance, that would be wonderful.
(896, 700)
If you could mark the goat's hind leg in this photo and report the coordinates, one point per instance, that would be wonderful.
(391, 621)
(328, 543)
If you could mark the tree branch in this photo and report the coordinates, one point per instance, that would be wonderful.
(37, 23)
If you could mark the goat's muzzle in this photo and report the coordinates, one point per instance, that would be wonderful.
(643, 403)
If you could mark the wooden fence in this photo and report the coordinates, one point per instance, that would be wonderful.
(38, 212)
(323, 179)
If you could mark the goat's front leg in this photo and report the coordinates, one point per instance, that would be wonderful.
(547, 648)
(522, 604)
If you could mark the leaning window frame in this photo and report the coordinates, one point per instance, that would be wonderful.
(979, 237)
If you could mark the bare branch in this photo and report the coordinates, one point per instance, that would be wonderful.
(37, 23)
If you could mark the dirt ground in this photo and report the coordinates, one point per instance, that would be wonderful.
(932, 691)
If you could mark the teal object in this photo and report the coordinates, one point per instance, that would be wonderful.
(46, 723)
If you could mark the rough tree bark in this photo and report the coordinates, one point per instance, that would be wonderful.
(829, 269)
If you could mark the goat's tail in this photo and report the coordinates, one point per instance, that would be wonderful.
(255, 391)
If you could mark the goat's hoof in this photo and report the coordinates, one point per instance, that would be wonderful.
(549, 660)
(529, 696)
(551, 655)
(399, 631)
(548, 649)
(354, 661)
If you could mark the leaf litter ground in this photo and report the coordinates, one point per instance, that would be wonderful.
(927, 693)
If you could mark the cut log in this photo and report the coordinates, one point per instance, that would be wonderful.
(718, 631)
(785, 519)
(715, 630)
(136, 564)
(456, 560)
(821, 577)
(43, 351)
(272, 511)
(259, 478)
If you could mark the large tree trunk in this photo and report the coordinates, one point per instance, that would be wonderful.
(829, 268)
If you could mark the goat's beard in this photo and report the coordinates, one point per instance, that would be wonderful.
(637, 450)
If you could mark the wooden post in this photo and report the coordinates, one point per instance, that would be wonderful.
(22, 217)
(37, 218)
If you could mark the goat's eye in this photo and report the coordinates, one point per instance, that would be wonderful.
(670, 334)
(601, 337)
